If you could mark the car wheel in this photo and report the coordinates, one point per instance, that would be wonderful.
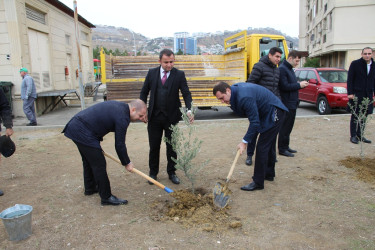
(323, 106)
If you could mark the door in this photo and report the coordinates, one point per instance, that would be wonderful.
(312, 89)
(40, 60)
(86, 65)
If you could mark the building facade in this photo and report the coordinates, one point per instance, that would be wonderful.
(40, 35)
(185, 43)
(336, 31)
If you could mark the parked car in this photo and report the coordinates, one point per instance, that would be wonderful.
(327, 88)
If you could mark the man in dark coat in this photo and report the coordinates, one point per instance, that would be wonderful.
(266, 113)
(164, 84)
(5, 117)
(87, 129)
(361, 81)
(265, 73)
(289, 95)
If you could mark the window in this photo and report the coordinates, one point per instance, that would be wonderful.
(67, 39)
(311, 75)
(325, 8)
(84, 36)
(302, 76)
(35, 15)
(265, 47)
(330, 21)
(324, 38)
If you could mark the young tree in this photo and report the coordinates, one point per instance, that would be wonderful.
(360, 113)
(312, 62)
(187, 146)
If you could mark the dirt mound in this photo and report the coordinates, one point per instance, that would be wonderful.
(195, 210)
(365, 168)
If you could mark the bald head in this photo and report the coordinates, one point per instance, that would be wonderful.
(138, 110)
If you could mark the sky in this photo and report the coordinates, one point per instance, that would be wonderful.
(152, 19)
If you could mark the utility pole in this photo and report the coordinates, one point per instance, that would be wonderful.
(81, 89)
(135, 48)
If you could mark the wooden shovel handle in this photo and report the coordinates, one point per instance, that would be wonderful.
(233, 165)
(141, 174)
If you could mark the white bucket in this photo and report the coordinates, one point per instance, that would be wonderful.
(17, 221)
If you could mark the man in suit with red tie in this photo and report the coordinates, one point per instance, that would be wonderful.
(164, 83)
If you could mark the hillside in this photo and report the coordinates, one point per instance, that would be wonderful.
(123, 39)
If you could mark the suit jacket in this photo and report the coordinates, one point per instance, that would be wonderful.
(90, 125)
(258, 104)
(175, 82)
(5, 111)
(359, 82)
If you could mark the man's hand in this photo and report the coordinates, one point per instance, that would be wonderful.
(129, 167)
(242, 146)
(9, 132)
(350, 96)
(304, 84)
(191, 116)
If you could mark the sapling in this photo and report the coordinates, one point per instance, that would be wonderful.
(360, 117)
(186, 146)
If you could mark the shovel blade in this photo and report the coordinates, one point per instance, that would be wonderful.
(221, 195)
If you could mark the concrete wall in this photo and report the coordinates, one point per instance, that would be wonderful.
(15, 47)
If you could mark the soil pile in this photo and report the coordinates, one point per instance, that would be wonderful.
(365, 168)
(195, 211)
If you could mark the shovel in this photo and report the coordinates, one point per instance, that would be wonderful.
(220, 191)
(168, 190)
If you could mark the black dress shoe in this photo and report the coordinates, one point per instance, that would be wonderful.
(153, 177)
(365, 140)
(286, 153)
(269, 178)
(114, 201)
(1, 192)
(292, 150)
(174, 179)
(31, 124)
(354, 139)
(249, 160)
(252, 187)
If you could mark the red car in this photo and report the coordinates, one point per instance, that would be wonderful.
(327, 88)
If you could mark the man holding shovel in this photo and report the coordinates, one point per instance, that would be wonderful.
(87, 129)
(266, 113)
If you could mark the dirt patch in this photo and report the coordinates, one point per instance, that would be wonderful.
(364, 167)
(195, 211)
(315, 202)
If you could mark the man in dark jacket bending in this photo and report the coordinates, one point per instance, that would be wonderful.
(266, 113)
(87, 129)
(289, 95)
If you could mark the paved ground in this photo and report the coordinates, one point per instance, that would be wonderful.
(58, 118)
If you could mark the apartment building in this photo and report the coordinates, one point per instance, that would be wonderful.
(336, 31)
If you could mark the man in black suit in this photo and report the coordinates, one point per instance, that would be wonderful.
(361, 81)
(164, 83)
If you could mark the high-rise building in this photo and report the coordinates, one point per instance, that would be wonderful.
(336, 31)
(185, 43)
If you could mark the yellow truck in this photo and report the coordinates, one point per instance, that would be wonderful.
(124, 75)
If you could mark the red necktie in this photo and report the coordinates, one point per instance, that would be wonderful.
(164, 79)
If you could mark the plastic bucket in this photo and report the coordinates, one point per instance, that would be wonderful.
(17, 221)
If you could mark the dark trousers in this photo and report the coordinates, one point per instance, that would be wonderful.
(156, 126)
(94, 170)
(265, 155)
(252, 144)
(355, 129)
(286, 130)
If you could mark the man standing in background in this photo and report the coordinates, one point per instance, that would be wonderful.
(164, 84)
(28, 95)
(361, 81)
(289, 95)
